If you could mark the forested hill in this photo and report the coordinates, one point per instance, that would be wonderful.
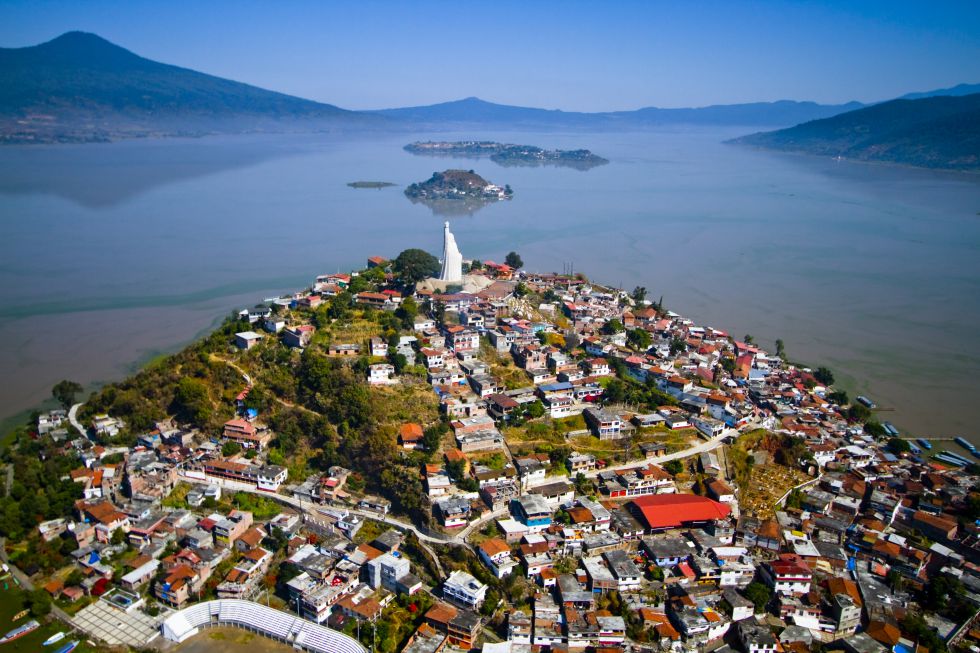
(934, 132)
(80, 87)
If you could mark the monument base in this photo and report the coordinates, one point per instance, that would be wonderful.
(471, 283)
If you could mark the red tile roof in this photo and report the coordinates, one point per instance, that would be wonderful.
(674, 510)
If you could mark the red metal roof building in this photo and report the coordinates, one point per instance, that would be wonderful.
(663, 511)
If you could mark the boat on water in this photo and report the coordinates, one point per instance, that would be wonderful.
(57, 637)
(925, 443)
(67, 648)
(20, 631)
(890, 429)
(914, 449)
(952, 459)
(963, 442)
(867, 403)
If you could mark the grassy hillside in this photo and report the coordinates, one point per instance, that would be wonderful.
(935, 132)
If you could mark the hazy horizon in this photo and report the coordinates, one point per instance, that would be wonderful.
(377, 55)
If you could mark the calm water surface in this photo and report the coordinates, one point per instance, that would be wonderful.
(110, 254)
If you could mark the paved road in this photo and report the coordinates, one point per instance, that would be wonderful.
(313, 510)
(701, 447)
(73, 418)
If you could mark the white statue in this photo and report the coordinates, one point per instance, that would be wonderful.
(452, 260)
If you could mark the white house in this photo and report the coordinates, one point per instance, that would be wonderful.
(464, 590)
(271, 477)
(379, 347)
(495, 554)
(381, 374)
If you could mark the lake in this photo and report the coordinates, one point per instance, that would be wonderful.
(112, 254)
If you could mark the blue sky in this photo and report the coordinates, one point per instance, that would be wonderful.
(571, 55)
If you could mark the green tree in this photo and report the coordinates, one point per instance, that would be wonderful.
(759, 594)
(65, 391)
(534, 409)
(674, 467)
(824, 376)
(39, 603)
(456, 469)
(858, 413)
(613, 326)
(677, 345)
(874, 428)
(748, 339)
(73, 578)
(639, 339)
(407, 312)
(923, 633)
(895, 580)
(639, 294)
(414, 265)
(513, 259)
(358, 284)
(839, 397)
(439, 312)
(191, 401)
(490, 602)
(780, 348)
(899, 446)
(118, 536)
(398, 361)
(230, 448)
(340, 306)
(432, 437)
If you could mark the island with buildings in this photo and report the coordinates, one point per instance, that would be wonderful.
(508, 154)
(426, 456)
(457, 185)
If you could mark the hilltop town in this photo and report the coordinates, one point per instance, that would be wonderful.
(547, 463)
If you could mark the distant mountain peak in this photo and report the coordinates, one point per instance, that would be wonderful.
(82, 41)
(78, 36)
(81, 87)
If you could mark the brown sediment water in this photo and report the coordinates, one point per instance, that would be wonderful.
(110, 254)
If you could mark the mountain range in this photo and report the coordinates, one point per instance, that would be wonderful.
(80, 87)
(930, 132)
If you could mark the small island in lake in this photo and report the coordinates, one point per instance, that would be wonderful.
(458, 185)
(370, 184)
(507, 154)
(457, 192)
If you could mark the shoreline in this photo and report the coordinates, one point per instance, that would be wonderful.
(11, 422)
